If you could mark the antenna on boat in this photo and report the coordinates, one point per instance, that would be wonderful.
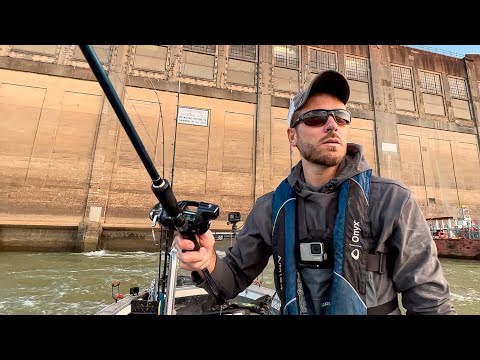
(176, 123)
(161, 276)
(170, 213)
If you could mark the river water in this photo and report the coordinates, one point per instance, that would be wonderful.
(81, 283)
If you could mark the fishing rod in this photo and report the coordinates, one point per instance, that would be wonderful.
(168, 212)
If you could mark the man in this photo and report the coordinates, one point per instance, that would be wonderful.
(343, 241)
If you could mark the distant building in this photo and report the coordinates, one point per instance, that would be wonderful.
(69, 173)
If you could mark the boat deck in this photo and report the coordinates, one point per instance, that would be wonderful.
(192, 300)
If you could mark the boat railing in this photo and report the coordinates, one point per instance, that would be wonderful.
(472, 233)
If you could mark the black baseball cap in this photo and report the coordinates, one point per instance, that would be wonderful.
(329, 82)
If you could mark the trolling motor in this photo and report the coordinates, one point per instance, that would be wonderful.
(175, 215)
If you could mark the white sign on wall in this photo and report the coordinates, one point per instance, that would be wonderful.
(389, 147)
(190, 116)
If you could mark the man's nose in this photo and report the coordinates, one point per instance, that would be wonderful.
(331, 124)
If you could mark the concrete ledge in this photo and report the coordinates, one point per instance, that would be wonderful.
(444, 125)
(126, 227)
(193, 89)
(38, 224)
(39, 237)
(38, 67)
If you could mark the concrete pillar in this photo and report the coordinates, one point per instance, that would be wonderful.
(103, 161)
(472, 65)
(175, 68)
(263, 156)
(384, 109)
(448, 98)
(66, 54)
(222, 65)
(4, 49)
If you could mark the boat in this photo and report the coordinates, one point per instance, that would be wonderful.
(174, 294)
(192, 300)
(458, 241)
(458, 248)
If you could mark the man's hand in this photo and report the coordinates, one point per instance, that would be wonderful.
(204, 257)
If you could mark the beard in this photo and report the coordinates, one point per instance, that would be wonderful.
(328, 157)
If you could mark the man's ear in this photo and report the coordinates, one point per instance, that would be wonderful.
(292, 137)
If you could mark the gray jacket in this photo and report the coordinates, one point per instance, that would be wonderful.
(396, 226)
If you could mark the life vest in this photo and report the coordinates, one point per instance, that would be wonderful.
(351, 260)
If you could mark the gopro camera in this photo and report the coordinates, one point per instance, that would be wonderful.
(233, 217)
(313, 252)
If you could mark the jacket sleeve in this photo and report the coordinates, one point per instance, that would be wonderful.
(249, 255)
(417, 272)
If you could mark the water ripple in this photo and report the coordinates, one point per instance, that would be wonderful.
(81, 283)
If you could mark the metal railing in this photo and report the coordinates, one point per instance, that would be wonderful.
(436, 50)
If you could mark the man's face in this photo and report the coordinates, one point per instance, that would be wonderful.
(326, 144)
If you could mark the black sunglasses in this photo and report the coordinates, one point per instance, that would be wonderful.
(319, 117)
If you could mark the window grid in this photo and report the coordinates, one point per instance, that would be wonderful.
(458, 88)
(430, 82)
(206, 49)
(322, 60)
(243, 52)
(356, 68)
(103, 53)
(17, 48)
(286, 56)
(402, 77)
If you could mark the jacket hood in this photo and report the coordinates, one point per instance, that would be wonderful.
(352, 164)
